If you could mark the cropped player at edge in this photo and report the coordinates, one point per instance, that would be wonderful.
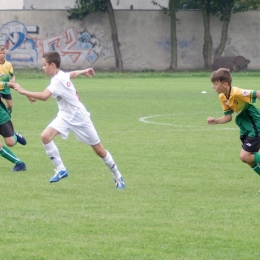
(241, 102)
(6, 75)
(72, 116)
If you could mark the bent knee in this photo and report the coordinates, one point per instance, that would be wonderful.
(45, 138)
(246, 158)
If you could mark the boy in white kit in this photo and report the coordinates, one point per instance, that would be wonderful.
(72, 116)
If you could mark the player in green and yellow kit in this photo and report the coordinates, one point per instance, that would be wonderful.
(10, 137)
(6, 75)
(241, 102)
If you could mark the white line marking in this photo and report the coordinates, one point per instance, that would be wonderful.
(147, 120)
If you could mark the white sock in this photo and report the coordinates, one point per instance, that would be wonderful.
(108, 160)
(53, 152)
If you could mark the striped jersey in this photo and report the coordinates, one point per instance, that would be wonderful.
(241, 102)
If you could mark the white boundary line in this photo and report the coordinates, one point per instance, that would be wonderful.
(147, 120)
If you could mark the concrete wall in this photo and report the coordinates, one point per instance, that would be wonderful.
(144, 37)
(63, 4)
(11, 4)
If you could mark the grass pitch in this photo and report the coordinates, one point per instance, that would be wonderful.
(187, 194)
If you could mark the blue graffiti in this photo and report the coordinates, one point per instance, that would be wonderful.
(13, 35)
(166, 43)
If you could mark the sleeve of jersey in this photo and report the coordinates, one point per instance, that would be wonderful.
(54, 87)
(227, 110)
(11, 70)
(247, 96)
(253, 96)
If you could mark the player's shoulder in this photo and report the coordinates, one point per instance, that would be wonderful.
(8, 63)
(236, 91)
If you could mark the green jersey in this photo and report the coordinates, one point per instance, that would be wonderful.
(4, 115)
(241, 101)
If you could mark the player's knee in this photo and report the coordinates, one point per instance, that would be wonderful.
(45, 138)
(245, 158)
(10, 143)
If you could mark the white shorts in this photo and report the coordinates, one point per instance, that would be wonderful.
(86, 134)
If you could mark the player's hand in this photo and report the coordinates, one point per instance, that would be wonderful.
(211, 120)
(18, 88)
(89, 72)
(32, 100)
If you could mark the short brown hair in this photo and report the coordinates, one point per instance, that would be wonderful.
(52, 57)
(222, 75)
(2, 48)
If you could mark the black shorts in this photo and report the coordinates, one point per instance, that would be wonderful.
(250, 144)
(7, 129)
(6, 96)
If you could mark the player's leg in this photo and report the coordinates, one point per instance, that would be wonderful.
(52, 150)
(7, 133)
(11, 140)
(88, 135)
(9, 102)
(110, 163)
(249, 155)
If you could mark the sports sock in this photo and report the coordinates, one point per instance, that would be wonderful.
(257, 158)
(256, 168)
(108, 160)
(10, 156)
(15, 138)
(53, 152)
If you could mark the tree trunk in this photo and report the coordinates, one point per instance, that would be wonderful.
(207, 46)
(119, 62)
(224, 32)
(174, 57)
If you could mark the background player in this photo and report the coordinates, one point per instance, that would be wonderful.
(10, 137)
(6, 75)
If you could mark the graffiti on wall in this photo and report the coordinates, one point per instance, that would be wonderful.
(21, 48)
(74, 46)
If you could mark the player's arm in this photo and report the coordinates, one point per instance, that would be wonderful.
(36, 95)
(221, 120)
(258, 94)
(12, 78)
(87, 72)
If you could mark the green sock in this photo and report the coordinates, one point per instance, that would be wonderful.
(257, 158)
(256, 168)
(7, 154)
(15, 138)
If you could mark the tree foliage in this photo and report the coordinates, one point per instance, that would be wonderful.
(83, 8)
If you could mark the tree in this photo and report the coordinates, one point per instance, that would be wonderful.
(171, 11)
(224, 10)
(85, 7)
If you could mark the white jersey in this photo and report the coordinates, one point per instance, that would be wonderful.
(71, 109)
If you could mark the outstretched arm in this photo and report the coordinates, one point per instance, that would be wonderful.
(221, 120)
(33, 95)
(12, 85)
(87, 72)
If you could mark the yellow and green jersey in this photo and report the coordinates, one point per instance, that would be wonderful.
(241, 101)
(6, 73)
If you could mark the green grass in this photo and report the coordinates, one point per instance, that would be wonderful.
(188, 196)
